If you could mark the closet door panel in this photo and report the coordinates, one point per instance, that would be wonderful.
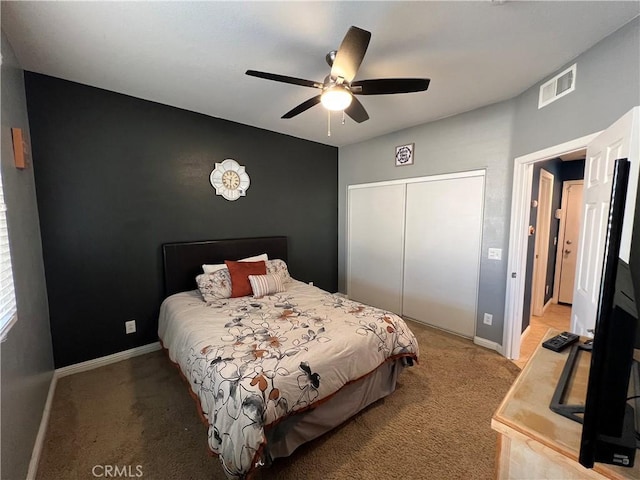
(442, 252)
(375, 245)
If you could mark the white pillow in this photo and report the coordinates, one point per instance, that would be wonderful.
(258, 258)
(214, 286)
(215, 268)
(266, 284)
(279, 267)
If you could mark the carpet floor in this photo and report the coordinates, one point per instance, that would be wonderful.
(137, 416)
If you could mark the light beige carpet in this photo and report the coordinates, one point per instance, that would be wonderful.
(137, 415)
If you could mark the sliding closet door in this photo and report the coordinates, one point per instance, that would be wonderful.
(442, 252)
(375, 245)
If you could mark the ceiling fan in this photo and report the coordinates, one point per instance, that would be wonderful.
(338, 88)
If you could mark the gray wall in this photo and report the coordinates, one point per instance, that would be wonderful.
(27, 359)
(607, 87)
(607, 79)
(475, 140)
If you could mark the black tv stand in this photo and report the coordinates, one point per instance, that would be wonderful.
(572, 412)
(612, 450)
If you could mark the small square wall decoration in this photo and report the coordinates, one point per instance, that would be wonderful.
(404, 155)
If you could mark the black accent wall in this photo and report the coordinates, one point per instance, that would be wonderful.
(117, 176)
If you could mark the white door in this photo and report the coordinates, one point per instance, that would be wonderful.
(620, 140)
(442, 252)
(568, 247)
(541, 253)
(375, 245)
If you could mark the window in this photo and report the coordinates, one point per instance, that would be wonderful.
(7, 293)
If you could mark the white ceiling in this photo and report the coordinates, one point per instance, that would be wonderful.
(193, 55)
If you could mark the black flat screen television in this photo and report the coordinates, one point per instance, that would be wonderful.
(609, 428)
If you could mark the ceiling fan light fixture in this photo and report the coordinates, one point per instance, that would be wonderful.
(338, 89)
(336, 98)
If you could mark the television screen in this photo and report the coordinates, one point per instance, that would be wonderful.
(608, 433)
(634, 259)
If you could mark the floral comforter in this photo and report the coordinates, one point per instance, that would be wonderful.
(252, 361)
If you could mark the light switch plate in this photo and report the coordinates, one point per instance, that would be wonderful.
(495, 254)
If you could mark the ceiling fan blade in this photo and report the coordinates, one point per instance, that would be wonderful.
(357, 111)
(283, 78)
(350, 54)
(384, 86)
(302, 107)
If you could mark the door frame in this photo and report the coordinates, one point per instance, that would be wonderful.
(541, 248)
(560, 245)
(518, 236)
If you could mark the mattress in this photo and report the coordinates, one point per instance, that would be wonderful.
(256, 364)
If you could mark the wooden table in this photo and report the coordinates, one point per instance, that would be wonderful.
(533, 441)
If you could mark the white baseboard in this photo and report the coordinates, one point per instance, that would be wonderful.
(488, 344)
(102, 361)
(69, 370)
(42, 431)
(477, 340)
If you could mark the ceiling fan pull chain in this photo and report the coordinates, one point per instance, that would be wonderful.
(328, 123)
(342, 117)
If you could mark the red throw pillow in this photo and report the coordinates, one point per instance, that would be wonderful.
(239, 272)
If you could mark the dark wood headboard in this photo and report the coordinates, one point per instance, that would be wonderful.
(183, 261)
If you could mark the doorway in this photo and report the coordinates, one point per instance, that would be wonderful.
(568, 241)
(619, 140)
(550, 217)
(541, 249)
(556, 316)
(520, 216)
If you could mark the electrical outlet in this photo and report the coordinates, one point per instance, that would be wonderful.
(488, 319)
(130, 326)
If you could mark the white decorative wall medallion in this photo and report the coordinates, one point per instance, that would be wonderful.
(230, 179)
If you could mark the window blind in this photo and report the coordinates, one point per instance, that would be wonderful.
(7, 293)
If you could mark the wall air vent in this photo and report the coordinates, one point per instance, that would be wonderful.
(559, 86)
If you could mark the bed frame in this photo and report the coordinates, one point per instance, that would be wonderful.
(183, 261)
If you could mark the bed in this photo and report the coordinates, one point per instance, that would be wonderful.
(281, 366)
